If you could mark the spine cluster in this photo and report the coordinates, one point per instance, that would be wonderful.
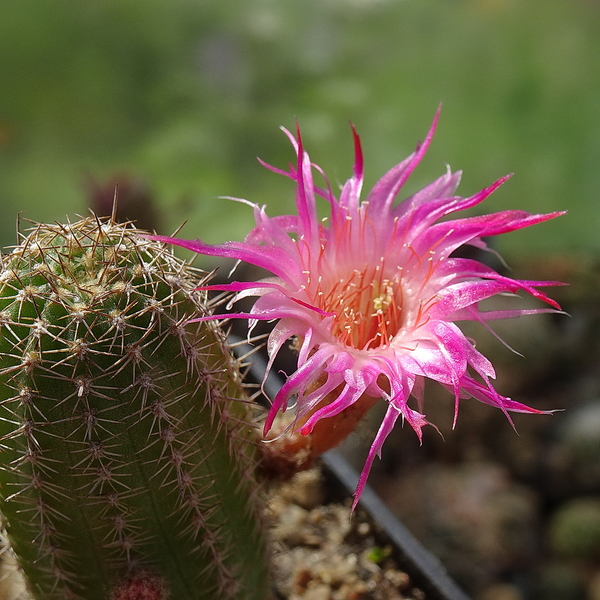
(127, 459)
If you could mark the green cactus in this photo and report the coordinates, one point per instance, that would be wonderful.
(127, 457)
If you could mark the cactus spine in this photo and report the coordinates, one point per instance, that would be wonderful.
(127, 458)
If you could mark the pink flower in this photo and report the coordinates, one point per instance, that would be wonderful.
(372, 295)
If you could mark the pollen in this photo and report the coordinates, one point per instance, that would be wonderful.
(367, 307)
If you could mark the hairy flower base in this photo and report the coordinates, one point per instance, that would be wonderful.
(372, 295)
(289, 450)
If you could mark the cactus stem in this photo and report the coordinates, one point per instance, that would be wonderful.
(128, 459)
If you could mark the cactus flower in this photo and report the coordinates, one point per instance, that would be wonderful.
(372, 295)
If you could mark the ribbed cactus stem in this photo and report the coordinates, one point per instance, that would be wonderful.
(127, 455)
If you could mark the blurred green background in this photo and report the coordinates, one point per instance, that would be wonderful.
(185, 94)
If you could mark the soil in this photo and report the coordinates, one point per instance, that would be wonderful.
(324, 552)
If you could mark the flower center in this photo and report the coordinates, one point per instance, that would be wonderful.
(368, 308)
